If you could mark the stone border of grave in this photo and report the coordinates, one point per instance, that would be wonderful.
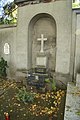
(72, 106)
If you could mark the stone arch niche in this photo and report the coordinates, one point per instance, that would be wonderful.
(46, 25)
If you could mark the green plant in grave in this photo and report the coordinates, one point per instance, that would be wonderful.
(25, 96)
(3, 66)
(52, 82)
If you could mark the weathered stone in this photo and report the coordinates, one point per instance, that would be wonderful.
(72, 107)
(54, 21)
(41, 61)
(78, 80)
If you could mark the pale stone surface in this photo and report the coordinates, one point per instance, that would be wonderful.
(57, 10)
(42, 39)
(72, 107)
(78, 80)
(49, 31)
(77, 45)
(41, 61)
(8, 35)
(73, 43)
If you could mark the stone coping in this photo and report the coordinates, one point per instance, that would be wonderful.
(7, 26)
(33, 2)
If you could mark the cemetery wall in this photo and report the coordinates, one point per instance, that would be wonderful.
(61, 12)
(77, 43)
(8, 35)
(18, 37)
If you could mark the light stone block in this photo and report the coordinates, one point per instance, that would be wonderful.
(41, 61)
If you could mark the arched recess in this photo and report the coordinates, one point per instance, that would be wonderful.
(42, 24)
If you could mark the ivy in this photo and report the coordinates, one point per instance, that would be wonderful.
(76, 4)
(3, 66)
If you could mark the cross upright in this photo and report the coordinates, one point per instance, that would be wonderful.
(42, 39)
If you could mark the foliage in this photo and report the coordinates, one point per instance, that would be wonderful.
(25, 96)
(3, 66)
(47, 103)
(10, 14)
(78, 112)
(75, 5)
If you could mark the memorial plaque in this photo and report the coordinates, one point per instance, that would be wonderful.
(6, 48)
(41, 61)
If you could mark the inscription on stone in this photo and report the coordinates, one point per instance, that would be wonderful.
(41, 61)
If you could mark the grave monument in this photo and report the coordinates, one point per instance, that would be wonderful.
(54, 21)
(37, 75)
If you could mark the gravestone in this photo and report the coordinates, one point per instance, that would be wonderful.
(41, 64)
(43, 40)
(39, 74)
(41, 58)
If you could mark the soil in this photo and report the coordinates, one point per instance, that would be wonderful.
(19, 110)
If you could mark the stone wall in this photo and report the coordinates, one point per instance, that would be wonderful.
(8, 35)
(75, 62)
(77, 52)
(61, 12)
(19, 37)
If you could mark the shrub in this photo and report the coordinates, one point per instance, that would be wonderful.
(3, 66)
(25, 96)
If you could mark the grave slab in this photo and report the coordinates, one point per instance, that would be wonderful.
(72, 107)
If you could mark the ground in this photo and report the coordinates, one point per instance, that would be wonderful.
(46, 106)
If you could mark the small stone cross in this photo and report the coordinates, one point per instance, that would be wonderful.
(42, 39)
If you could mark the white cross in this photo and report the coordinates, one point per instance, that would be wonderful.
(42, 39)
